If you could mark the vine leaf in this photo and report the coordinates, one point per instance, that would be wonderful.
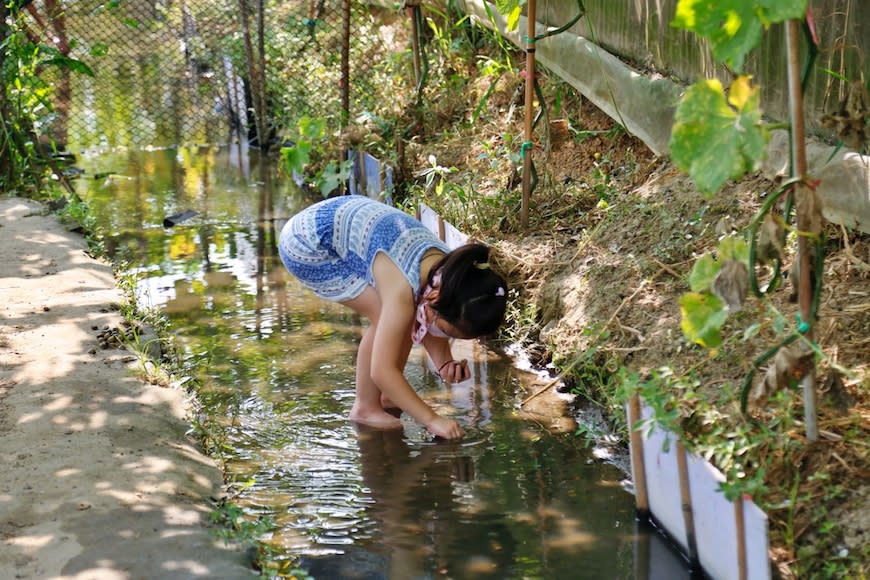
(296, 157)
(76, 66)
(703, 272)
(706, 267)
(734, 27)
(734, 248)
(333, 176)
(309, 133)
(715, 139)
(771, 11)
(703, 317)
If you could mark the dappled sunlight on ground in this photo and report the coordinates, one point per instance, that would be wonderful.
(83, 441)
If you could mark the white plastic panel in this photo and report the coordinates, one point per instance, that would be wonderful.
(663, 482)
(429, 218)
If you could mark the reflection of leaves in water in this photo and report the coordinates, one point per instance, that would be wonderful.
(182, 245)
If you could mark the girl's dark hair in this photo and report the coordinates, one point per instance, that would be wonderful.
(471, 297)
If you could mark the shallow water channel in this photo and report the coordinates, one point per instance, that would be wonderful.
(275, 369)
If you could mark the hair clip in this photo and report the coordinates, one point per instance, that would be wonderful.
(481, 265)
(500, 291)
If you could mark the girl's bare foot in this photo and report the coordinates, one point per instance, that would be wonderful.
(375, 418)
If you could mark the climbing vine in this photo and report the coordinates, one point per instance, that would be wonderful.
(719, 136)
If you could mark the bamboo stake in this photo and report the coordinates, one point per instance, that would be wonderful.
(805, 205)
(741, 538)
(530, 96)
(345, 76)
(686, 503)
(642, 552)
(637, 466)
(415, 40)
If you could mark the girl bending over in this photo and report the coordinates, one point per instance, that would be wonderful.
(387, 266)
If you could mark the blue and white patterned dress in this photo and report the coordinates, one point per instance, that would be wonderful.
(331, 246)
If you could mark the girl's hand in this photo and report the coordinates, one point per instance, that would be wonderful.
(455, 371)
(444, 427)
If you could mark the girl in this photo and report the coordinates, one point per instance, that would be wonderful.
(387, 266)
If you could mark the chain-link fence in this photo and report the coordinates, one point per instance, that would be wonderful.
(180, 71)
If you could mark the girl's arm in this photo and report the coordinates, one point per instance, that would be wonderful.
(391, 345)
(451, 370)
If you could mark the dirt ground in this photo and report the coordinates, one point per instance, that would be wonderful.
(614, 232)
(100, 480)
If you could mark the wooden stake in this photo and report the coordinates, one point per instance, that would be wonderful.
(806, 206)
(415, 41)
(345, 77)
(637, 467)
(741, 538)
(686, 503)
(530, 98)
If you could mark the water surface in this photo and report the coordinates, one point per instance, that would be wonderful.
(274, 368)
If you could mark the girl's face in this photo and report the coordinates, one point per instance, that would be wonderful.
(443, 329)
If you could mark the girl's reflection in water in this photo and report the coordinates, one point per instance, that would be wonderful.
(421, 494)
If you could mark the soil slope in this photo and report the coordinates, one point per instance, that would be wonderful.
(614, 232)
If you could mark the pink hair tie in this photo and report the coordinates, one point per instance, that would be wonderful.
(500, 291)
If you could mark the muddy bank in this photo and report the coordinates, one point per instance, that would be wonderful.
(100, 479)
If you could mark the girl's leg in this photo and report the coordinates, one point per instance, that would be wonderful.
(367, 408)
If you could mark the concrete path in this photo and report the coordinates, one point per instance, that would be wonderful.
(99, 479)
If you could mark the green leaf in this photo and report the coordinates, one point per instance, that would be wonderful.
(513, 20)
(771, 11)
(734, 27)
(703, 272)
(834, 74)
(311, 129)
(703, 316)
(99, 49)
(72, 64)
(333, 176)
(505, 7)
(751, 331)
(731, 26)
(779, 321)
(296, 157)
(512, 9)
(734, 248)
(713, 140)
